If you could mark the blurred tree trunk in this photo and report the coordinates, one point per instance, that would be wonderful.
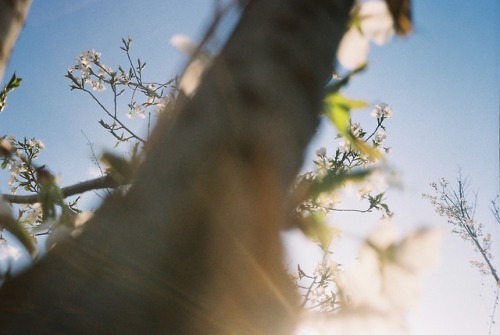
(194, 247)
(12, 16)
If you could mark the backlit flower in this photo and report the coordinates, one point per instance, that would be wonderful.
(372, 22)
(382, 110)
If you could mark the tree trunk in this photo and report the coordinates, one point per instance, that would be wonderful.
(194, 247)
(12, 16)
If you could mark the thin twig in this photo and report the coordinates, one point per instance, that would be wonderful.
(111, 116)
(492, 322)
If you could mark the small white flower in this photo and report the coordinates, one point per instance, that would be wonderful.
(36, 143)
(382, 110)
(364, 191)
(321, 152)
(136, 110)
(97, 85)
(443, 182)
(101, 73)
(380, 136)
(356, 129)
(40, 144)
(344, 146)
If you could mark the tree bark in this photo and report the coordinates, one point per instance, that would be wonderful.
(12, 16)
(194, 247)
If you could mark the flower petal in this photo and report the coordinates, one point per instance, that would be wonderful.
(377, 24)
(353, 49)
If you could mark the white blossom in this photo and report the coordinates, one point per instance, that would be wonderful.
(97, 85)
(31, 212)
(373, 22)
(321, 152)
(344, 145)
(443, 182)
(136, 110)
(382, 110)
(364, 191)
(380, 136)
(88, 56)
(356, 129)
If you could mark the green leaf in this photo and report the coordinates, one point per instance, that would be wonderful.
(50, 194)
(337, 110)
(317, 229)
(13, 82)
(11, 85)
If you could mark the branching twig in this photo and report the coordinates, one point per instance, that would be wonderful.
(492, 321)
(111, 116)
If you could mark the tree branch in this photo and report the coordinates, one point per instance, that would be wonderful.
(68, 191)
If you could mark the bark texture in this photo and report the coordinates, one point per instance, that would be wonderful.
(194, 247)
(12, 16)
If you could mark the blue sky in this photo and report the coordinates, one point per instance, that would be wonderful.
(442, 82)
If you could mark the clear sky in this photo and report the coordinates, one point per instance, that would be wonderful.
(442, 82)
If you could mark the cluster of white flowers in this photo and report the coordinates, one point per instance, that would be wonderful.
(319, 289)
(16, 167)
(36, 143)
(459, 212)
(31, 213)
(84, 63)
(382, 111)
(17, 163)
(321, 152)
(356, 129)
